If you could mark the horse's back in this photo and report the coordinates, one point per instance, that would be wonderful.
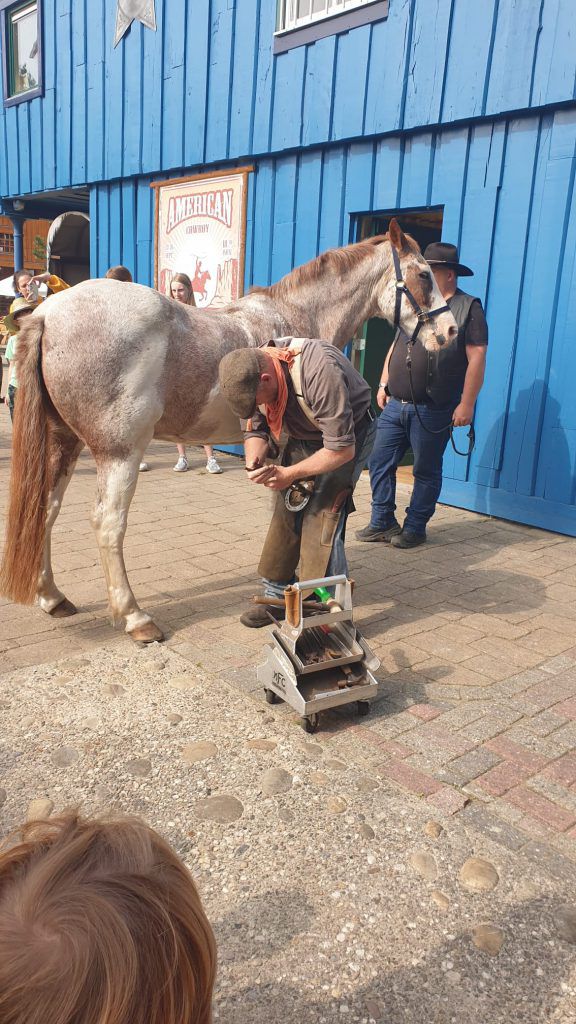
(119, 359)
(104, 351)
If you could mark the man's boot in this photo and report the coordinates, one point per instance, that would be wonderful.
(408, 539)
(259, 615)
(377, 534)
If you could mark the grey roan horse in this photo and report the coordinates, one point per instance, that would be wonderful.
(112, 365)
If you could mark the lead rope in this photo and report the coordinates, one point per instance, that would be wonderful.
(471, 435)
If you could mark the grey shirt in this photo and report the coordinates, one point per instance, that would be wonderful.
(336, 394)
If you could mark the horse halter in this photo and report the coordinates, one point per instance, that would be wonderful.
(423, 317)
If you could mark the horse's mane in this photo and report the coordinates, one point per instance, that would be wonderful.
(338, 260)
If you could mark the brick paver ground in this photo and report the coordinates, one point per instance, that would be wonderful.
(476, 632)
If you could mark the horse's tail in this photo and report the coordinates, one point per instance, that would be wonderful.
(26, 526)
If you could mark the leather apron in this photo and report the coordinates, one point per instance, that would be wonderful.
(305, 537)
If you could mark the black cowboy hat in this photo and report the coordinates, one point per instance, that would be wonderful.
(443, 254)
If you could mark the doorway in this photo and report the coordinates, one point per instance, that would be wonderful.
(68, 247)
(376, 335)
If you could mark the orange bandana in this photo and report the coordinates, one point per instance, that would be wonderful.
(275, 412)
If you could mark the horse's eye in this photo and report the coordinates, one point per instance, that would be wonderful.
(424, 275)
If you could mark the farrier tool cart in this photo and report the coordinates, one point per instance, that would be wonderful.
(318, 659)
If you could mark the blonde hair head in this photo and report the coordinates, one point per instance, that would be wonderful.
(100, 923)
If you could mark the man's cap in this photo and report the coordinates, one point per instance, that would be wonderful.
(19, 306)
(239, 377)
(444, 254)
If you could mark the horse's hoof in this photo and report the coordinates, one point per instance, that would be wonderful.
(63, 610)
(146, 634)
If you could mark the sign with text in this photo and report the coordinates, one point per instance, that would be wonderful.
(201, 231)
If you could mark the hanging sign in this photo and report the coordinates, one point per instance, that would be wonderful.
(201, 231)
(134, 10)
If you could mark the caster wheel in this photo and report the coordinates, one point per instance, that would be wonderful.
(271, 697)
(363, 707)
(311, 723)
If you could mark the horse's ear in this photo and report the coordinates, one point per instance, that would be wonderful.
(397, 236)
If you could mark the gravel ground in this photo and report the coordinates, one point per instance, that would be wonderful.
(332, 897)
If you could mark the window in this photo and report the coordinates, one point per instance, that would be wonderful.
(296, 13)
(22, 64)
(304, 21)
(6, 244)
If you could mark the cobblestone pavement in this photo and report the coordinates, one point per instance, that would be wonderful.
(476, 714)
(334, 895)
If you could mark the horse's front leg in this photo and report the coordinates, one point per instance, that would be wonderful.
(117, 478)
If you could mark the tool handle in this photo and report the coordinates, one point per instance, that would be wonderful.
(292, 599)
(279, 602)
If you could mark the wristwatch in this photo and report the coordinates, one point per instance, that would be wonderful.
(384, 387)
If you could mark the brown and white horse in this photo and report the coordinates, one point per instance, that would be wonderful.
(111, 365)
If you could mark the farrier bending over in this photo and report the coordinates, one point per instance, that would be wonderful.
(312, 391)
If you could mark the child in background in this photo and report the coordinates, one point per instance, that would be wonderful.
(101, 923)
(181, 290)
(25, 286)
(20, 308)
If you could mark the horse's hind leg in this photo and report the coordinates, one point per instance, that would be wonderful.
(117, 478)
(64, 448)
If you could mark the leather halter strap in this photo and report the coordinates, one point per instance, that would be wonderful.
(424, 315)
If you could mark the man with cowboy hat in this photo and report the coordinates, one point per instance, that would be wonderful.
(308, 389)
(419, 404)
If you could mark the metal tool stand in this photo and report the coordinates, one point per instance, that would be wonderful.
(328, 683)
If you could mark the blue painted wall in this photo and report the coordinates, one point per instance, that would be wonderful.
(507, 189)
(402, 113)
(205, 88)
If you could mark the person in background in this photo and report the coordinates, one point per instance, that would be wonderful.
(20, 309)
(119, 273)
(181, 290)
(100, 922)
(21, 282)
(444, 387)
(25, 286)
(3, 341)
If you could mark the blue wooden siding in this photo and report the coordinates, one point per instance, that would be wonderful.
(507, 190)
(205, 88)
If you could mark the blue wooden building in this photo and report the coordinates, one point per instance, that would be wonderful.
(458, 116)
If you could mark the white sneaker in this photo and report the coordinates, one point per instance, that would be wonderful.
(212, 466)
(144, 467)
(182, 465)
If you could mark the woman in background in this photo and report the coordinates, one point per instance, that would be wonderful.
(181, 290)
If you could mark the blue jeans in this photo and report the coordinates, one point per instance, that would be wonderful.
(337, 565)
(11, 400)
(399, 429)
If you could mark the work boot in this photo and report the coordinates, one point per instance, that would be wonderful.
(373, 534)
(258, 615)
(408, 539)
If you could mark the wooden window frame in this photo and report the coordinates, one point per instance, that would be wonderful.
(6, 243)
(329, 25)
(22, 97)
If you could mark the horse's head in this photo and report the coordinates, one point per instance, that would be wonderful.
(408, 295)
